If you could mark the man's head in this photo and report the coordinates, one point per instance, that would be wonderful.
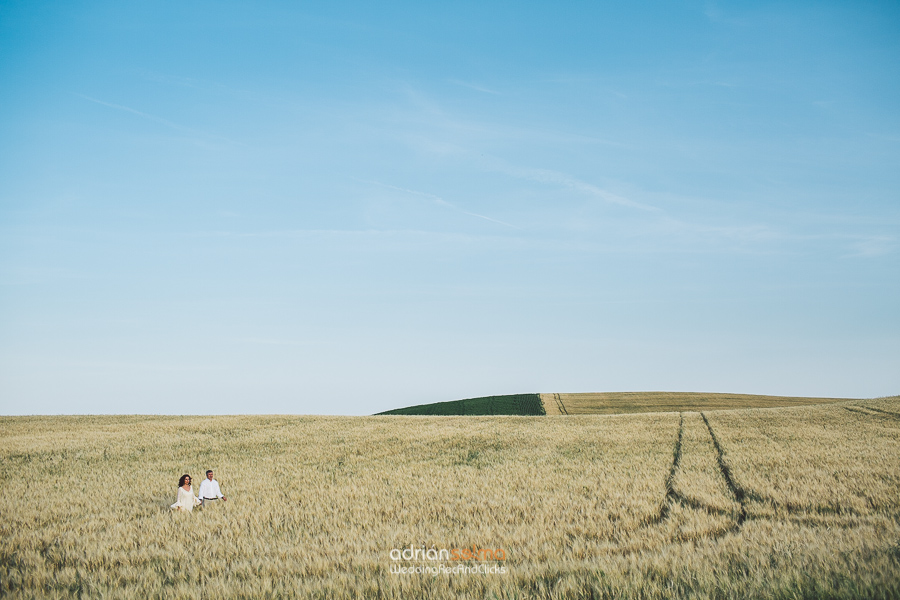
(209, 475)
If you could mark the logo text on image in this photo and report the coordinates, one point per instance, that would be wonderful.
(424, 556)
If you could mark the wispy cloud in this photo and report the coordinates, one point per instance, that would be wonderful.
(441, 202)
(715, 15)
(734, 234)
(133, 111)
(447, 136)
(197, 84)
(280, 342)
(473, 86)
(549, 176)
(320, 234)
(872, 246)
(766, 238)
(425, 123)
(155, 119)
(884, 136)
(18, 276)
(136, 366)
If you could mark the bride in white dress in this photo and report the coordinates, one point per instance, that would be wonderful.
(186, 498)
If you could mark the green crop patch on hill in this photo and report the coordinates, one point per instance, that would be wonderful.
(512, 404)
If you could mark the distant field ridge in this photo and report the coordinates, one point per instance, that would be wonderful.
(605, 403)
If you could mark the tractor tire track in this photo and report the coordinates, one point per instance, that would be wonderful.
(872, 412)
(737, 490)
(559, 403)
(672, 497)
(882, 412)
(697, 505)
(800, 512)
(671, 494)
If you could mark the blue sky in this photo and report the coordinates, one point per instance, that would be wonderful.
(343, 208)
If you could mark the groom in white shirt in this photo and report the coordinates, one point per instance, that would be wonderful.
(209, 489)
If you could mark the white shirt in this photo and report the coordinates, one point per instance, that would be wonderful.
(210, 489)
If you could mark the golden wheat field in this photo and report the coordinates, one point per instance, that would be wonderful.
(799, 502)
(616, 403)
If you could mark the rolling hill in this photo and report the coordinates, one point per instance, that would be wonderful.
(604, 403)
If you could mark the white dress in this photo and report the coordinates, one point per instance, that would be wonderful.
(186, 500)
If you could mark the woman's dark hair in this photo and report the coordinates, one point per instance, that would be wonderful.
(183, 479)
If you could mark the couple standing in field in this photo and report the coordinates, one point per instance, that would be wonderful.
(209, 492)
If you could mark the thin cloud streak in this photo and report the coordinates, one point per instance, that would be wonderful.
(872, 246)
(155, 119)
(298, 233)
(473, 86)
(279, 342)
(441, 202)
(135, 366)
(567, 181)
(133, 111)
